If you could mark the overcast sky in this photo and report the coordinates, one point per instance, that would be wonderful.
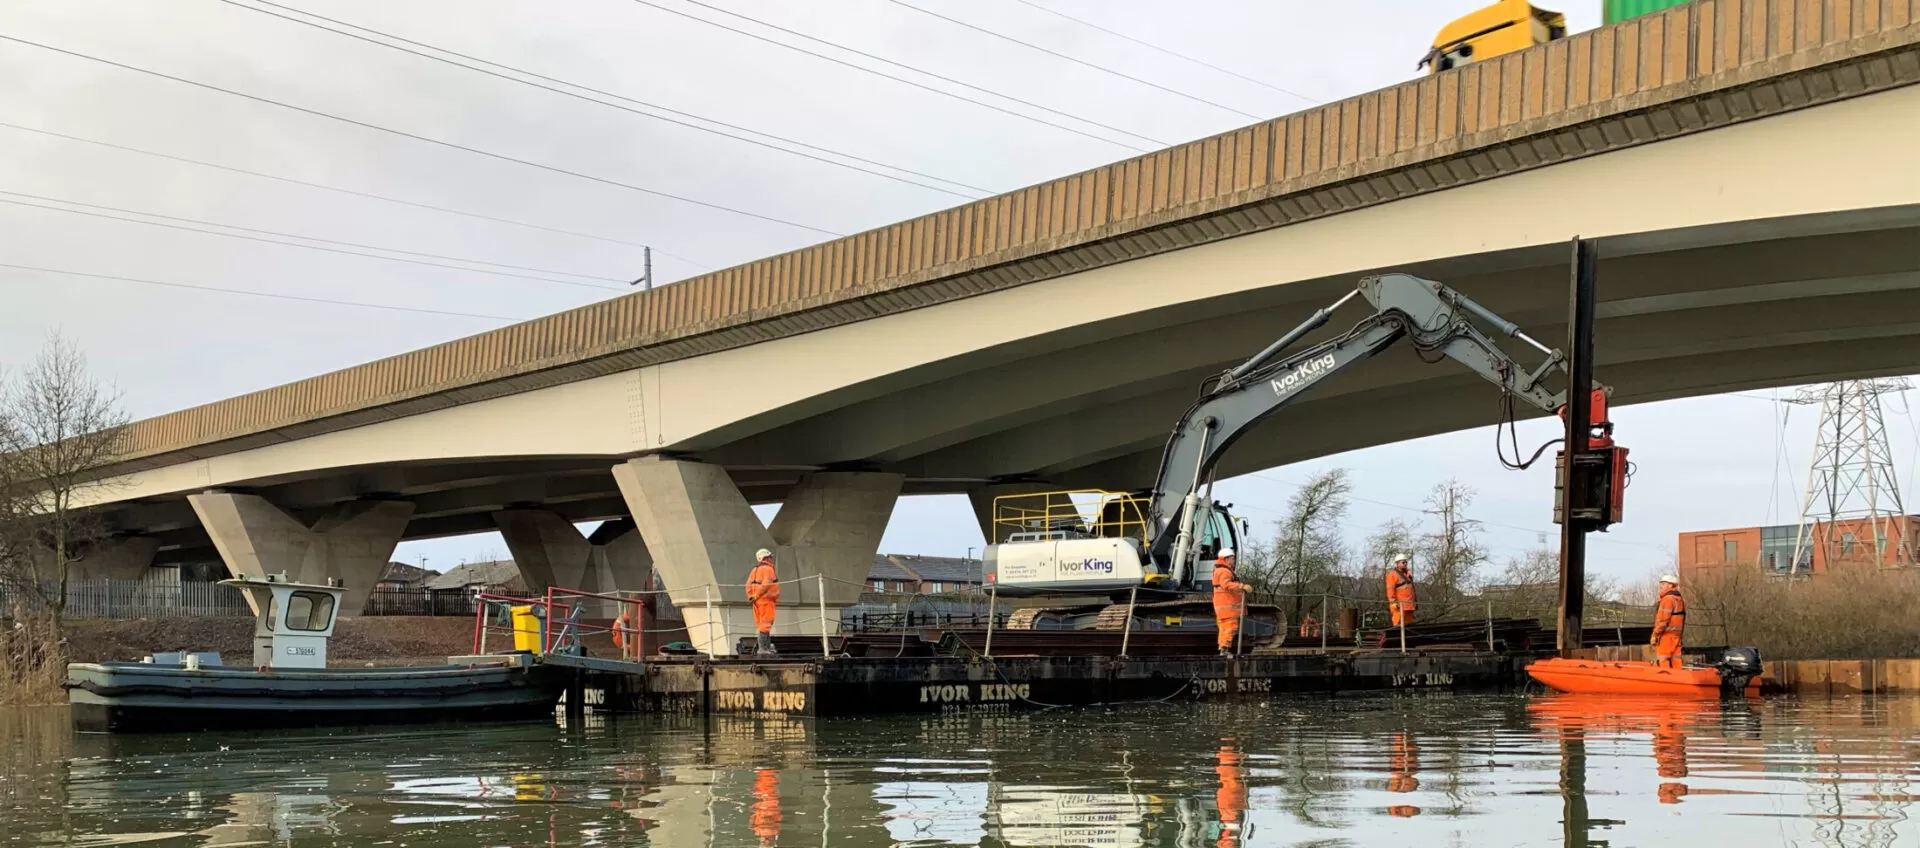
(701, 199)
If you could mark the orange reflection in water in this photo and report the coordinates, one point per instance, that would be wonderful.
(1664, 720)
(1232, 794)
(765, 819)
(1403, 763)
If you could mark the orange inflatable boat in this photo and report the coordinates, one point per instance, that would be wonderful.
(1636, 678)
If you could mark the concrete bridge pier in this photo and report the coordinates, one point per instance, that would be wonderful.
(119, 558)
(550, 551)
(352, 542)
(982, 498)
(703, 533)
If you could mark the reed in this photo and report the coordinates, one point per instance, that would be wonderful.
(33, 658)
(1850, 613)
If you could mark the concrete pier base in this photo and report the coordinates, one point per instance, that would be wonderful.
(551, 552)
(352, 543)
(703, 533)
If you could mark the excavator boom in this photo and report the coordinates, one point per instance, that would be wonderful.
(1437, 320)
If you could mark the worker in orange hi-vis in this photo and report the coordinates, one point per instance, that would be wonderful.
(1229, 601)
(1400, 591)
(1669, 619)
(763, 589)
(1309, 627)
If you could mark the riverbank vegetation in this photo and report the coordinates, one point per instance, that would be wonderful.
(58, 429)
(1849, 613)
(33, 659)
(1862, 613)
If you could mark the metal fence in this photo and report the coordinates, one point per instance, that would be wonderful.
(401, 601)
(102, 598)
(161, 598)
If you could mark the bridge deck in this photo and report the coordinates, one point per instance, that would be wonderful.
(1691, 68)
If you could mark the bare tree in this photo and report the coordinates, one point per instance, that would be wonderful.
(1309, 546)
(1392, 537)
(1646, 591)
(1528, 584)
(58, 430)
(1451, 555)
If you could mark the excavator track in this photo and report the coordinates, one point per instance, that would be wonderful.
(1161, 615)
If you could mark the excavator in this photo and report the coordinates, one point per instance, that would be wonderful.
(1156, 540)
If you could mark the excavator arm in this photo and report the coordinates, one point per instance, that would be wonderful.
(1437, 320)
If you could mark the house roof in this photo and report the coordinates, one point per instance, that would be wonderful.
(494, 573)
(932, 569)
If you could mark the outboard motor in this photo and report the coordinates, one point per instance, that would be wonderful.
(1737, 668)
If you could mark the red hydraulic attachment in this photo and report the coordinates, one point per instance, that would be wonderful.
(1599, 485)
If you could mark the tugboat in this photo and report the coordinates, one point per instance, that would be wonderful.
(289, 683)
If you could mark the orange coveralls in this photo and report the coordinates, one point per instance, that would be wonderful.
(763, 589)
(1668, 621)
(1400, 595)
(1229, 603)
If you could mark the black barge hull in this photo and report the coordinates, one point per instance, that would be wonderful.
(140, 698)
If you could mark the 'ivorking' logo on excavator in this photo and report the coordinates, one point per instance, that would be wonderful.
(1300, 376)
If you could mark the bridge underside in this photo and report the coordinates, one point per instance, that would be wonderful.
(1683, 313)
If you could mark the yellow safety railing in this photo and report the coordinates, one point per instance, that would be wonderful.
(1093, 512)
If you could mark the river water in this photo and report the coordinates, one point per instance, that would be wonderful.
(1428, 770)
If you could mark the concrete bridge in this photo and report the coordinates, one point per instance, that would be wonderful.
(1749, 169)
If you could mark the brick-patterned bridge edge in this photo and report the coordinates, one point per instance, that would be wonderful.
(1694, 67)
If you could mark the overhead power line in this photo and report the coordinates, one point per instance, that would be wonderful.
(429, 140)
(920, 85)
(1536, 530)
(1151, 46)
(578, 96)
(324, 187)
(1075, 59)
(246, 293)
(244, 230)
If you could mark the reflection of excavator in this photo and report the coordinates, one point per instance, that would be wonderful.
(1102, 542)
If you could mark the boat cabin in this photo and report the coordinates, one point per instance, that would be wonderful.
(293, 620)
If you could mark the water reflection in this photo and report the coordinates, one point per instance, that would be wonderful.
(1551, 770)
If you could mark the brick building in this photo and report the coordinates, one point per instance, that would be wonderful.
(1771, 549)
(900, 574)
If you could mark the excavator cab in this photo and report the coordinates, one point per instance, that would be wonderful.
(1504, 27)
(1092, 541)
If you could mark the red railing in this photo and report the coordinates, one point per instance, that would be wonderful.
(560, 626)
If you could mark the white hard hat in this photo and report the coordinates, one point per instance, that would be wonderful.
(763, 553)
(1226, 552)
(1668, 578)
(1402, 557)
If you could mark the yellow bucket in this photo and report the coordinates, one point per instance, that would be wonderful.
(527, 628)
